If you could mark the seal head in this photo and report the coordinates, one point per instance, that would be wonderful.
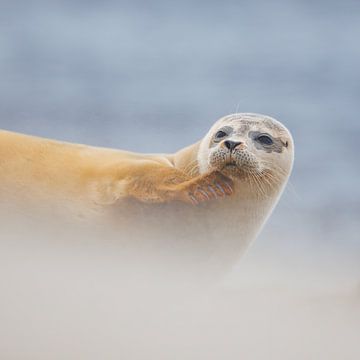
(247, 145)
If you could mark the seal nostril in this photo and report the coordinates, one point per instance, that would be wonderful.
(231, 145)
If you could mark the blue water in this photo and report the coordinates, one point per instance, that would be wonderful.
(153, 76)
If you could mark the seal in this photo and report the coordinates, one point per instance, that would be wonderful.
(222, 187)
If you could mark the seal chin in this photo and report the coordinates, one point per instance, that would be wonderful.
(234, 169)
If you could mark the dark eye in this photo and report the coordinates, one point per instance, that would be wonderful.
(220, 134)
(265, 140)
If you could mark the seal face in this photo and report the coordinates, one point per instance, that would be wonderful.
(247, 145)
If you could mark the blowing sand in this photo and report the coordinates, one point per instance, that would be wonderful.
(79, 300)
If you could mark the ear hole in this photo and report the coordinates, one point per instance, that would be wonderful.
(286, 143)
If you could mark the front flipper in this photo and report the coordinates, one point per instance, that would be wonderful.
(203, 188)
(151, 182)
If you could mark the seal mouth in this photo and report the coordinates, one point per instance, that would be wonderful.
(231, 164)
(236, 165)
(234, 169)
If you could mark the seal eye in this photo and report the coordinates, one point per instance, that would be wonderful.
(265, 140)
(220, 134)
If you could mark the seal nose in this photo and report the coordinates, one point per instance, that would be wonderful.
(231, 145)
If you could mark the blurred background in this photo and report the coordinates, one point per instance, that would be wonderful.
(154, 76)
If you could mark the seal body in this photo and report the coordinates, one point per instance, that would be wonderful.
(207, 201)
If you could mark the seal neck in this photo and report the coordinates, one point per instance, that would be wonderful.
(186, 159)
